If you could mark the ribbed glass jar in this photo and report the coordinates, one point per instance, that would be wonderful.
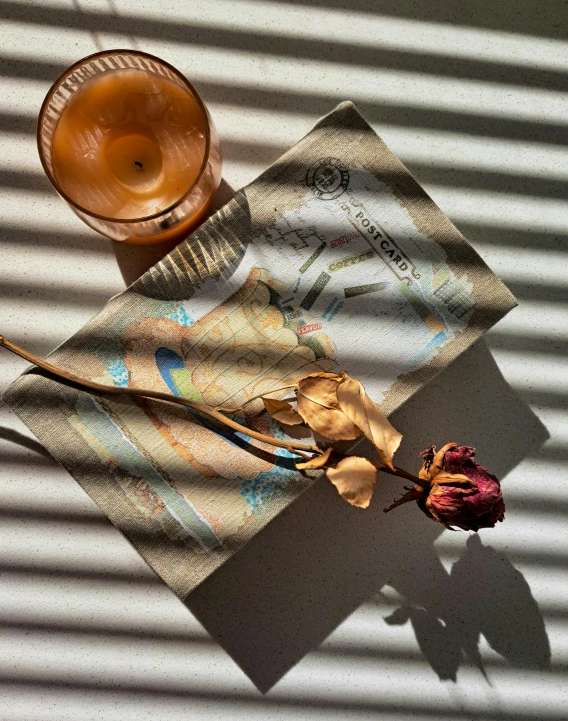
(175, 221)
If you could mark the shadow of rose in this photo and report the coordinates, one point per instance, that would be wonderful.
(483, 595)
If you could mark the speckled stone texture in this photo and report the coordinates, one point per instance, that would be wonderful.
(331, 612)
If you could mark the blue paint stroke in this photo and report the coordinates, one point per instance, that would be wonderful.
(168, 360)
(438, 340)
(118, 372)
(181, 317)
(134, 463)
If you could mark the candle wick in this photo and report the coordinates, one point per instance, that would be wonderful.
(138, 163)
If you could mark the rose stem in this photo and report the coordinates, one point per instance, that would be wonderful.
(253, 398)
(140, 392)
(401, 473)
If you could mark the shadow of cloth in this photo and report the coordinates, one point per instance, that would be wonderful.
(483, 595)
(13, 436)
(134, 260)
(281, 595)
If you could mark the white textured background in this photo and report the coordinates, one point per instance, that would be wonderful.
(472, 97)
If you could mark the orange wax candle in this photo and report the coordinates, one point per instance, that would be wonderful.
(128, 144)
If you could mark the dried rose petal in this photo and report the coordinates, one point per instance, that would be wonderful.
(366, 415)
(315, 462)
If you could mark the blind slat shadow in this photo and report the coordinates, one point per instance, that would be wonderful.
(506, 237)
(71, 295)
(538, 291)
(312, 49)
(143, 691)
(30, 444)
(376, 112)
(552, 507)
(553, 454)
(92, 628)
(11, 122)
(386, 113)
(91, 242)
(189, 642)
(14, 458)
(31, 516)
(511, 184)
(549, 21)
(67, 295)
(380, 363)
(54, 571)
(436, 174)
(528, 344)
(32, 182)
(477, 233)
(541, 399)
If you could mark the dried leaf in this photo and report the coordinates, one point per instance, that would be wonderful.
(355, 479)
(318, 406)
(315, 462)
(282, 412)
(320, 388)
(367, 416)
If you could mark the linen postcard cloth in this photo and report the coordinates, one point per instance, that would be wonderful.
(333, 259)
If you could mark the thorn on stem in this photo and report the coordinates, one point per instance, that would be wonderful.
(413, 494)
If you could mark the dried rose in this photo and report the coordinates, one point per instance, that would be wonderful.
(462, 493)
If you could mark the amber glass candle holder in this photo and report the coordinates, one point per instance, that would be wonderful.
(182, 214)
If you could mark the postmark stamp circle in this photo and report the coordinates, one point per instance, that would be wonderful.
(328, 178)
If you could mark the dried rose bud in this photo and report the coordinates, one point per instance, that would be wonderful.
(462, 492)
(455, 490)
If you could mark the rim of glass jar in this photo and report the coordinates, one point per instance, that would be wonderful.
(183, 79)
